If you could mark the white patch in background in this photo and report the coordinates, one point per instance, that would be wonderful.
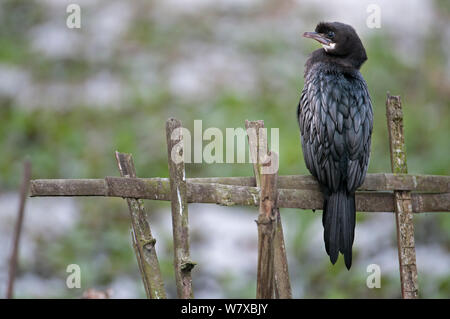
(192, 6)
(202, 70)
(125, 287)
(223, 243)
(432, 259)
(231, 242)
(106, 27)
(13, 80)
(55, 40)
(44, 218)
(103, 90)
(34, 286)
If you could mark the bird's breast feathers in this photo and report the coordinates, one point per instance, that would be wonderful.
(335, 118)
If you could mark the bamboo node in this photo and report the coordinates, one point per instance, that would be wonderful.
(150, 244)
(187, 265)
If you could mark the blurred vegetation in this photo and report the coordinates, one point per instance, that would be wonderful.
(79, 141)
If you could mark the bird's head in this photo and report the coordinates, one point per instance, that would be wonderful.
(339, 40)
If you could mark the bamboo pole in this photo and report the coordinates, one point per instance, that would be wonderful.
(18, 228)
(267, 226)
(178, 198)
(143, 241)
(281, 273)
(403, 201)
(227, 195)
(373, 182)
(254, 128)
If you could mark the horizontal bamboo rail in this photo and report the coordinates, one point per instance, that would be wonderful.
(373, 182)
(295, 191)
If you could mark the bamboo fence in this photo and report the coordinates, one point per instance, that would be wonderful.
(397, 192)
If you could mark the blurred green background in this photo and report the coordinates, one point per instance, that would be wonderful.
(70, 97)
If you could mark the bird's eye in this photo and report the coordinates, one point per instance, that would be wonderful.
(330, 34)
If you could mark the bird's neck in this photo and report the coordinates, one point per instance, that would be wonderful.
(347, 64)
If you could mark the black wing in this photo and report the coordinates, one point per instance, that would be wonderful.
(336, 119)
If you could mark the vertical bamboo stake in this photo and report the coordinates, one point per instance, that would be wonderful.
(143, 241)
(253, 129)
(281, 272)
(267, 225)
(282, 281)
(180, 224)
(403, 206)
(18, 229)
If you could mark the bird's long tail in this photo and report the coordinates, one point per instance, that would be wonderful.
(339, 225)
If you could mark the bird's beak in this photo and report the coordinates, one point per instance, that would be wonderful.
(318, 37)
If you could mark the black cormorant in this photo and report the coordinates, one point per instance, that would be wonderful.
(336, 119)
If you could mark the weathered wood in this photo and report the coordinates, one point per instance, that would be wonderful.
(179, 199)
(24, 188)
(282, 282)
(253, 129)
(403, 201)
(267, 225)
(227, 195)
(68, 187)
(430, 202)
(416, 183)
(373, 182)
(377, 182)
(143, 241)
